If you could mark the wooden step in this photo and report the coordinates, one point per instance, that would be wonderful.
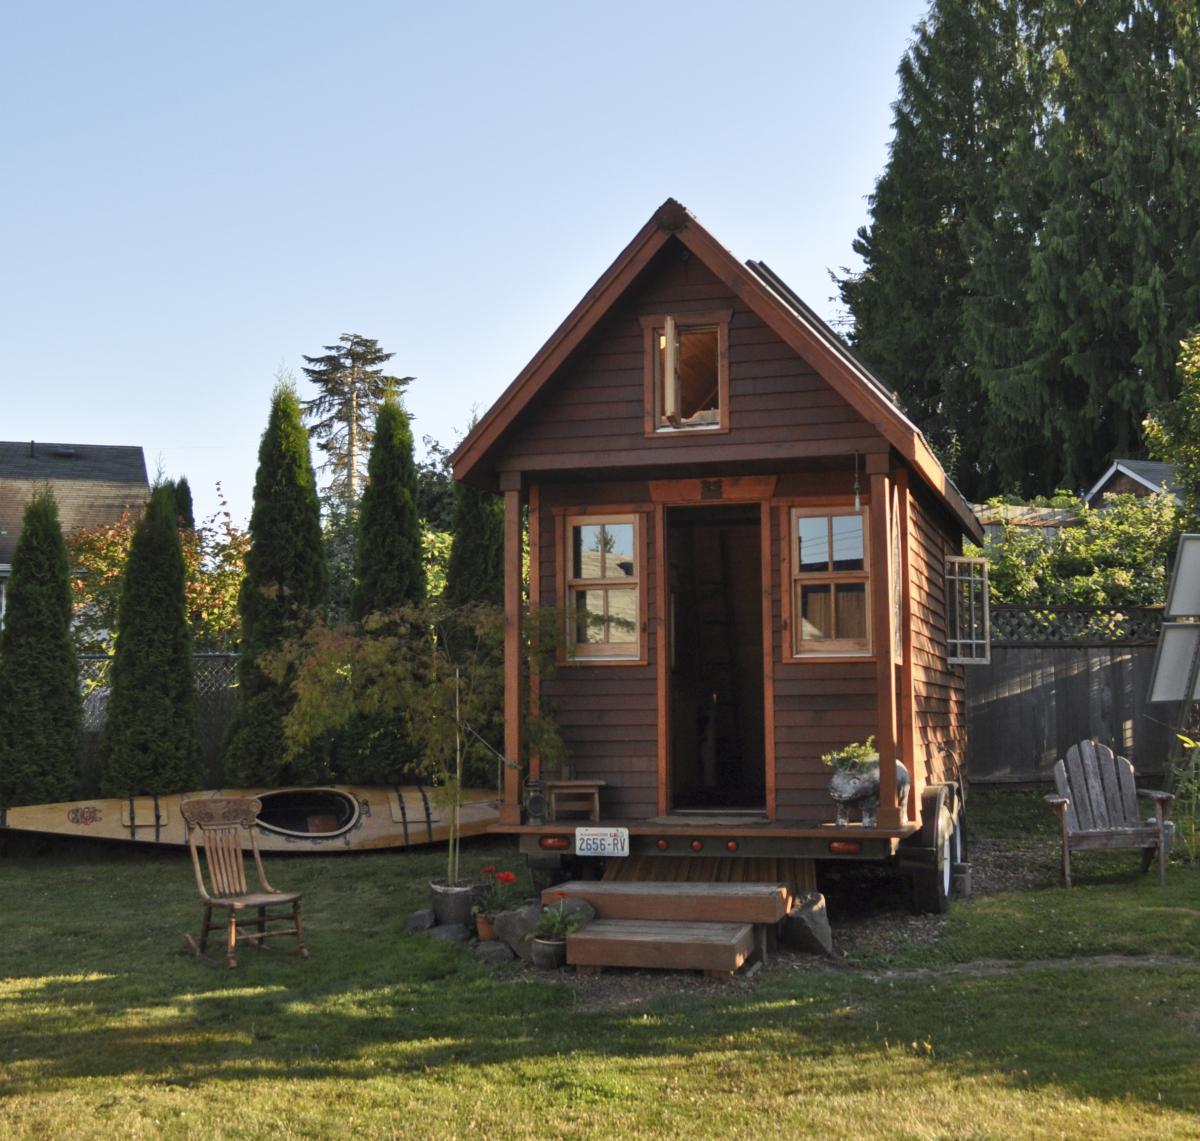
(797, 872)
(679, 902)
(720, 947)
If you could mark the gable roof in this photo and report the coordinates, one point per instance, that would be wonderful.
(93, 484)
(1149, 473)
(772, 301)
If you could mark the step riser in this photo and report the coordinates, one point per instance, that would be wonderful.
(701, 947)
(682, 903)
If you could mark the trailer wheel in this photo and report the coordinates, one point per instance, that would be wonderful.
(929, 885)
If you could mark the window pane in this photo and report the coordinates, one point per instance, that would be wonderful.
(847, 542)
(814, 543)
(587, 557)
(589, 617)
(622, 616)
(852, 610)
(618, 548)
(816, 621)
(699, 391)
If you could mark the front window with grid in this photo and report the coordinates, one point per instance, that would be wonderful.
(830, 584)
(603, 587)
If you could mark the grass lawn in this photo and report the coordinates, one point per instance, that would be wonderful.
(107, 1029)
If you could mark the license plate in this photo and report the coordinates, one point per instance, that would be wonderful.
(602, 841)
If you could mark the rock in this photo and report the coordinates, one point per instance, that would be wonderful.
(420, 920)
(514, 927)
(450, 933)
(806, 926)
(580, 907)
(493, 951)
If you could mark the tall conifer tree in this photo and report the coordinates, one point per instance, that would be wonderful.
(475, 571)
(40, 710)
(150, 743)
(281, 595)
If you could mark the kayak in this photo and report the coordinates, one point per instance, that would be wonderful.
(326, 819)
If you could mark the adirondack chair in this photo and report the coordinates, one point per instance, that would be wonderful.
(221, 825)
(1097, 807)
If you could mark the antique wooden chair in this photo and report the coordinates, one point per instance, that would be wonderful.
(221, 825)
(1097, 807)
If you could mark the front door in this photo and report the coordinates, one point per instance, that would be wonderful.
(714, 576)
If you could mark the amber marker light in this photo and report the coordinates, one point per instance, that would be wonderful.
(554, 843)
(697, 845)
(845, 847)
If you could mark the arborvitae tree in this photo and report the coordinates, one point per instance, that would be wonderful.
(150, 742)
(352, 384)
(40, 709)
(183, 505)
(389, 570)
(475, 572)
(281, 595)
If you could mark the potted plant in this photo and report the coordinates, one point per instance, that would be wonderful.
(855, 780)
(548, 946)
(500, 893)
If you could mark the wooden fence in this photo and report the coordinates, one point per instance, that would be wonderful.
(1056, 677)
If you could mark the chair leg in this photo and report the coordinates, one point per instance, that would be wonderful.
(301, 949)
(1066, 864)
(231, 940)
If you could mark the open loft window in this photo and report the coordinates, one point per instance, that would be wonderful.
(603, 587)
(967, 611)
(830, 583)
(687, 372)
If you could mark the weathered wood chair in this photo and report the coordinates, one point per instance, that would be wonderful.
(1097, 807)
(221, 825)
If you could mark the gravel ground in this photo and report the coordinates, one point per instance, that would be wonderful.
(867, 913)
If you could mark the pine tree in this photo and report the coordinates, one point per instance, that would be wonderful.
(352, 384)
(39, 679)
(150, 743)
(281, 595)
(389, 570)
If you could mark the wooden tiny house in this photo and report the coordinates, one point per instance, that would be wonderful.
(748, 543)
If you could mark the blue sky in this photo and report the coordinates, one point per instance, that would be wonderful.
(195, 196)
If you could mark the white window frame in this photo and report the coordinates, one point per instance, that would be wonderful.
(968, 620)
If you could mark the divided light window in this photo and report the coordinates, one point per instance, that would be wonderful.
(830, 583)
(967, 635)
(687, 372)
(603, 587)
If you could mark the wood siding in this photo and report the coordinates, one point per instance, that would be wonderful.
(594, 417)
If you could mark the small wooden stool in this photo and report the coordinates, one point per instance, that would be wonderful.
(574, 796)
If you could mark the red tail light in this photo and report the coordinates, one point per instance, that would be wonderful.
(554, 843)
(845, 847)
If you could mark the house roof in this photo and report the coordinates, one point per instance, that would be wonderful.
(1151, 474)
(770, 298)
(93, 483)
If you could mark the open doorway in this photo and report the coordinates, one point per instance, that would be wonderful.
(714, 574)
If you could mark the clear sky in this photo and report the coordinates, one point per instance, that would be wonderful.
(193, 196)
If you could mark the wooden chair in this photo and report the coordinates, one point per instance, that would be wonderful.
(222, 824)
(1097, 807)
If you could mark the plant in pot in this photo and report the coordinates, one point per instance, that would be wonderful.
(500, 893)
(548, 940)
(855, 780)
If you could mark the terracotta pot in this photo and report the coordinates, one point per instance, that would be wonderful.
(548, 954)
(485, 927)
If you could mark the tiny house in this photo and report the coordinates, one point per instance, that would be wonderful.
(753, 557)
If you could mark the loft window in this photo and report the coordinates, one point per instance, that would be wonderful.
(603, 587)
(967, 634)
(687, 374)
(830, 584)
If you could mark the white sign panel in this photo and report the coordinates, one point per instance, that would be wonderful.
(1183, 595)
(1173, 661)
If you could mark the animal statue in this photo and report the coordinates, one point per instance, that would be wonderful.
(858, 786)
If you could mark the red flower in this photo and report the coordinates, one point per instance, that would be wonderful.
(490, 870)
(506, 877)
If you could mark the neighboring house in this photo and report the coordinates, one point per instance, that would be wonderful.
(1134, 477)
(755, 554)
(1044, 521)
(92, 483)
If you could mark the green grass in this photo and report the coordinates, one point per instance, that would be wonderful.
(106, 1029)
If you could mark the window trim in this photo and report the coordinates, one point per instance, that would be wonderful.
(978, 591)
(584, 654)
(852, 648)
(684, 318)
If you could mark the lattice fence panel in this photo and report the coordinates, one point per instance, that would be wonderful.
(1074, 625)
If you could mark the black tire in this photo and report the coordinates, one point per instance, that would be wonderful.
(929, 886)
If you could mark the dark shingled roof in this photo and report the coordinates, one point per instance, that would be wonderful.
(93, 484)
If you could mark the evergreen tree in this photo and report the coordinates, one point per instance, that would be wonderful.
(39, 679)
(150, 742)
(389, 570)
(475, 572)
(183, 505)
(281, 595)
(352, 384)
(435, 486)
